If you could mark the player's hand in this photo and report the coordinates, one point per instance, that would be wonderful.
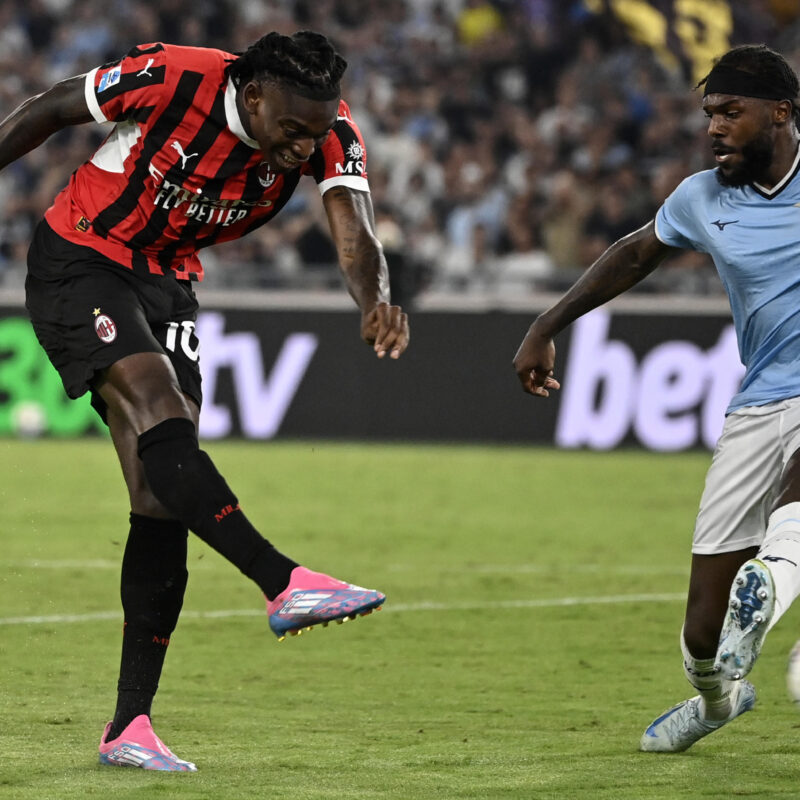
(385, 327)
(534, 364)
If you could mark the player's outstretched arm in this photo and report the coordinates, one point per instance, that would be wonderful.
(622, 266)
(361, 259)
(31, 123)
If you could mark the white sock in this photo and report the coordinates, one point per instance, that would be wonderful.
(780, 551)
(715, 691)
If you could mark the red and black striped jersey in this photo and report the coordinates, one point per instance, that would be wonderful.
(178, 172)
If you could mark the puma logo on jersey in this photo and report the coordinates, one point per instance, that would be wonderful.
(721, 225)
(147, 67)
(176, 145)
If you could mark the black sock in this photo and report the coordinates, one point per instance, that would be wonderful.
(152, 585)
(129, 706)
(185, 480)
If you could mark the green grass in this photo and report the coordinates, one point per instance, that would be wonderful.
(474, 682)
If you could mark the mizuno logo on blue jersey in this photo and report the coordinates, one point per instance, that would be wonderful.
(721, 225)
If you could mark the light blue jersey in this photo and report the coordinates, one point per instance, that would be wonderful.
(753, 236)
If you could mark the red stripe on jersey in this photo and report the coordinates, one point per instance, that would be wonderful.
(172, 177)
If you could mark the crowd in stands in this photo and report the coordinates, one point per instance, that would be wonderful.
(509, 141)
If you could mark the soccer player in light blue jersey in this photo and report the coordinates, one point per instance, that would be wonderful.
(746, 215)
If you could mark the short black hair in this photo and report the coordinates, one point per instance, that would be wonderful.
(306, 63)
(763, 61)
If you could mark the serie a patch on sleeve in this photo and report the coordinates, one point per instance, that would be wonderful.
(110, 78)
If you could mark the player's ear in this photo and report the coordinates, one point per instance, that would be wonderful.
(783, 111)
(251, 96)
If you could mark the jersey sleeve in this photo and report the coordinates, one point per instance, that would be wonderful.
(676, 219)
(342, 159)
(128, 88)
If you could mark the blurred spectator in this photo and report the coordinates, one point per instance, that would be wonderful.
(509, 141)
(563, 219)
(478, 22)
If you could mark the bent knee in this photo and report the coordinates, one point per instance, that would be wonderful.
(144, 502)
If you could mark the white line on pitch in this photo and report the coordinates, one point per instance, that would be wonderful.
(505, 569)
(525, 569)
(77, 563)
(392, 607)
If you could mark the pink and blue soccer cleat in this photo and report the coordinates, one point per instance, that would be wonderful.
(138, 746)
(312, 598)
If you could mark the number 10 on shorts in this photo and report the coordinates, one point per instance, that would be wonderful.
(187, 331)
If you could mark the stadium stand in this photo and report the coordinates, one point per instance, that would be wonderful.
(509, 141)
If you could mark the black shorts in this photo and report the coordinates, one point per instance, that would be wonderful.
(89, 312)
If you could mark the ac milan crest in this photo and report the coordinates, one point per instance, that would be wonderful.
(266, 177)
(106, 328)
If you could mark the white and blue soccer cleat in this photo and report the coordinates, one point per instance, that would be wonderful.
(679, 728)
(750, 611)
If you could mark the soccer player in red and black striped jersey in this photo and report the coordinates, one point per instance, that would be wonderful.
(206, 147)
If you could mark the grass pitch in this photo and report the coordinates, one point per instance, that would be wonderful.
(530, 633)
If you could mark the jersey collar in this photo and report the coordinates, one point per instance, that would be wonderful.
(232, 116)
(782, 182)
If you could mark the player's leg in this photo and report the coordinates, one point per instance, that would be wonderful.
(143, 397)
(718, 700)
(781, 547)
(709, 585)
(765, 586)
(142, 391)
(152, 584)
(740, 485)
(153, 578)
(87, 315)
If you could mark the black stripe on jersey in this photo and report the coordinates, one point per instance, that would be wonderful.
(346, 136)
(317, 164)
(139, 264)
(234, 164)
(202, 141)
(130, 82)
(170, 119)
(137, 51)
(253, 190)
(290, 182)
(141, 114)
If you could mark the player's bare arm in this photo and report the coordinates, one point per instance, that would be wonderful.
(622, 266)
(39, 117)
(361, 259)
